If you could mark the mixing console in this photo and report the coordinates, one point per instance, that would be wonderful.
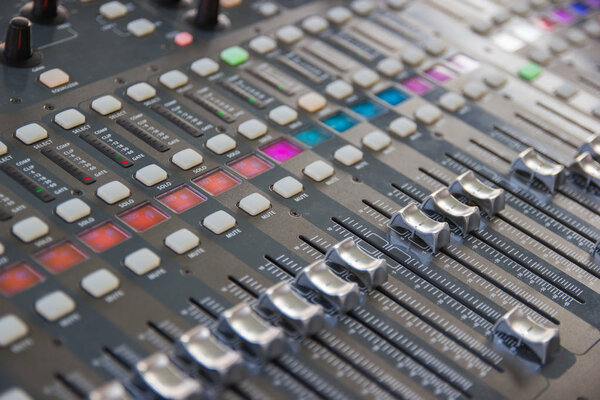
(368, 199)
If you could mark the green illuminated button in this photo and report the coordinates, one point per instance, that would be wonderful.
(530, 71)
(234, 55)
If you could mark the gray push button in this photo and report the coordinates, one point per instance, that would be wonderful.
(466, 217)
(304, 317)
(343, 295)
(112, 390)
(215, 361)
(592, 146)
(433, 233)
(542, 341)
(532, 166)
(490, 200)
(167, 381)
(369, 270)
(260, 339)
(585, 166)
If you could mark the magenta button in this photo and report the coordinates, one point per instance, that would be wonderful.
(417, 85)
(563, 16)
(281, 150)
(440, 73)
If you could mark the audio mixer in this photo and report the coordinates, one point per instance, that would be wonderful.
(296, 199)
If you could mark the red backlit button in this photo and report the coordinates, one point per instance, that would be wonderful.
(143, 217)
(61, 257)
(250, 166)
(103, 237)
(217, 181)
(183, 39)
(16, 278)
(181, 199)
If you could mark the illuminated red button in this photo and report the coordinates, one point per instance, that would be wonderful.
(181, 199)
(16, 278)
(217, 181)
(143, 217)
(103, 237)
(282, 150)
(250, 166)
(183, 39)
(61, 257)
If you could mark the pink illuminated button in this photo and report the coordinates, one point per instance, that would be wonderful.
(181, 199)
(417, 85)
(250, 166)
(104, 236)
(281, 150)
(61, 257)
(217, 181)
(183, 39)
(17, 278)
(440, 73)
(143, 217)
(463, 63)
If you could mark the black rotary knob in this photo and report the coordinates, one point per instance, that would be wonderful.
(206, 16)
(46, 12)
(168, 3)
(17, 50)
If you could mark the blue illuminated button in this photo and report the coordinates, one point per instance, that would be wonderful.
(312, 137)
(580, 8)
(392, 96)
(340, 122)
(368, 109)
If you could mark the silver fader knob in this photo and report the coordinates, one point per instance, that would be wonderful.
(259, 339)
(167, 381)
(592, 146)
(491, 200)
(304, 317)
(369, 270)
(533, 167)
(112, 390)
(466, 217)
(343, 295)
(217, 362)
(542, 341)
(433, 233)
(588, 168)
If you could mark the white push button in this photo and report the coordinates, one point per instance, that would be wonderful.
(3, 149)
(219, 222)
(100, 283)
(262, 44)
(315, 24)
(435, 46)
(362, 7)
(142, 261)
(173, 79)
(348, 155)
(187, 159)
(54, 305)
(283, 115)
(106, 105)
(268, 9)
(376, 140)
(113, 10)
(113, 192)
(428, 114)
(1, 249)
(390, 67)
(73, 210)
(31, 133)
(141, 27)
(365, 78)
(312, 102)
(339, 15)
(15, 393)
(254, 204)
(452, 101)
(12, 328)
(287, 187)
(69, 119)
(182, 241)
(289, 34)
(141, 92)
(318, 170)
(205, 67)
(403, 127)
(494, 79)
(151, 175)
(474, 90)
(413, 56)
(339, 89)
(221, 143)
(30, 229)
(252, 129)
(54, 78)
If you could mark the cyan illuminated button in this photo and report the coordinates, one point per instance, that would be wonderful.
(31, 133)
(142, 261)
(368, 109)
(234, 55)
(392, 96)
(312, 137)
(340, 122)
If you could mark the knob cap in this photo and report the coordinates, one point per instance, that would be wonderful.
(46, 12)
(206, 16)
(17, 50)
